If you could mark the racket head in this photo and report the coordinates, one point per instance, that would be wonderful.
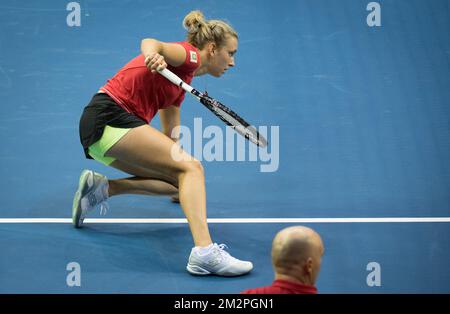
(233, 120)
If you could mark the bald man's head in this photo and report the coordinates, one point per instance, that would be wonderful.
(297, 252)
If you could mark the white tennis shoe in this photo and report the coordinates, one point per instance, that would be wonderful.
(216, 262)
(92, 192)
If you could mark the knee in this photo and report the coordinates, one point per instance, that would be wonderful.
(195, 167)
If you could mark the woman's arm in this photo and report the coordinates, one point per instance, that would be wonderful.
(157, 53)
(170, 118)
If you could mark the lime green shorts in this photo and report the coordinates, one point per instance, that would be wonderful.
(110, 137)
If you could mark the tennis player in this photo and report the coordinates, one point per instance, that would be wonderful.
(115, 130)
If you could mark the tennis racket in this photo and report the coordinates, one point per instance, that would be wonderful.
(220, 110)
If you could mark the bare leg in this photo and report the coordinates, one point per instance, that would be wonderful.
(138, 185)
(144, 151)
(154, 183)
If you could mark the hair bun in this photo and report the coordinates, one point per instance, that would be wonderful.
(201, 31)
(194, 21)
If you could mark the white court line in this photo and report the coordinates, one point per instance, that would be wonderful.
(226, 220)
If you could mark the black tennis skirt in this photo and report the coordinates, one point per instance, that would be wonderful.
(101, 111)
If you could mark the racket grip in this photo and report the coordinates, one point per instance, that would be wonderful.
(171, 77)
(175, 79)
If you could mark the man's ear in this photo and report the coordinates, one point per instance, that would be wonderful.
(309, 265)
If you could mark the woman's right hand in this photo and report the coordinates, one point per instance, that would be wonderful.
(155, 62)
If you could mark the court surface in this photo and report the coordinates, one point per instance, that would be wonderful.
(362, 157)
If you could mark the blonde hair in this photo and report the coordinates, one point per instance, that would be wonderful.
(202, 31)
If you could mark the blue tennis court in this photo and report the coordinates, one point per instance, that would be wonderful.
(357, 117)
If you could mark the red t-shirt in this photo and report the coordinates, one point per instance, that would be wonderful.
(143, 93)
(283, 287)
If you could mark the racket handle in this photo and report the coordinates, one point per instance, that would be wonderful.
(175, 79)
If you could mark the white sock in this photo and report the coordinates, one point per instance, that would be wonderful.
(101, 193)
(204, 250)
(106, 189)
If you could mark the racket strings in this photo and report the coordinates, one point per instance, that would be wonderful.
(232, 120)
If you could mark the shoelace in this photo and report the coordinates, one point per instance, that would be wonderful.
(104, 207)
(222, 246)
(221, 249)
